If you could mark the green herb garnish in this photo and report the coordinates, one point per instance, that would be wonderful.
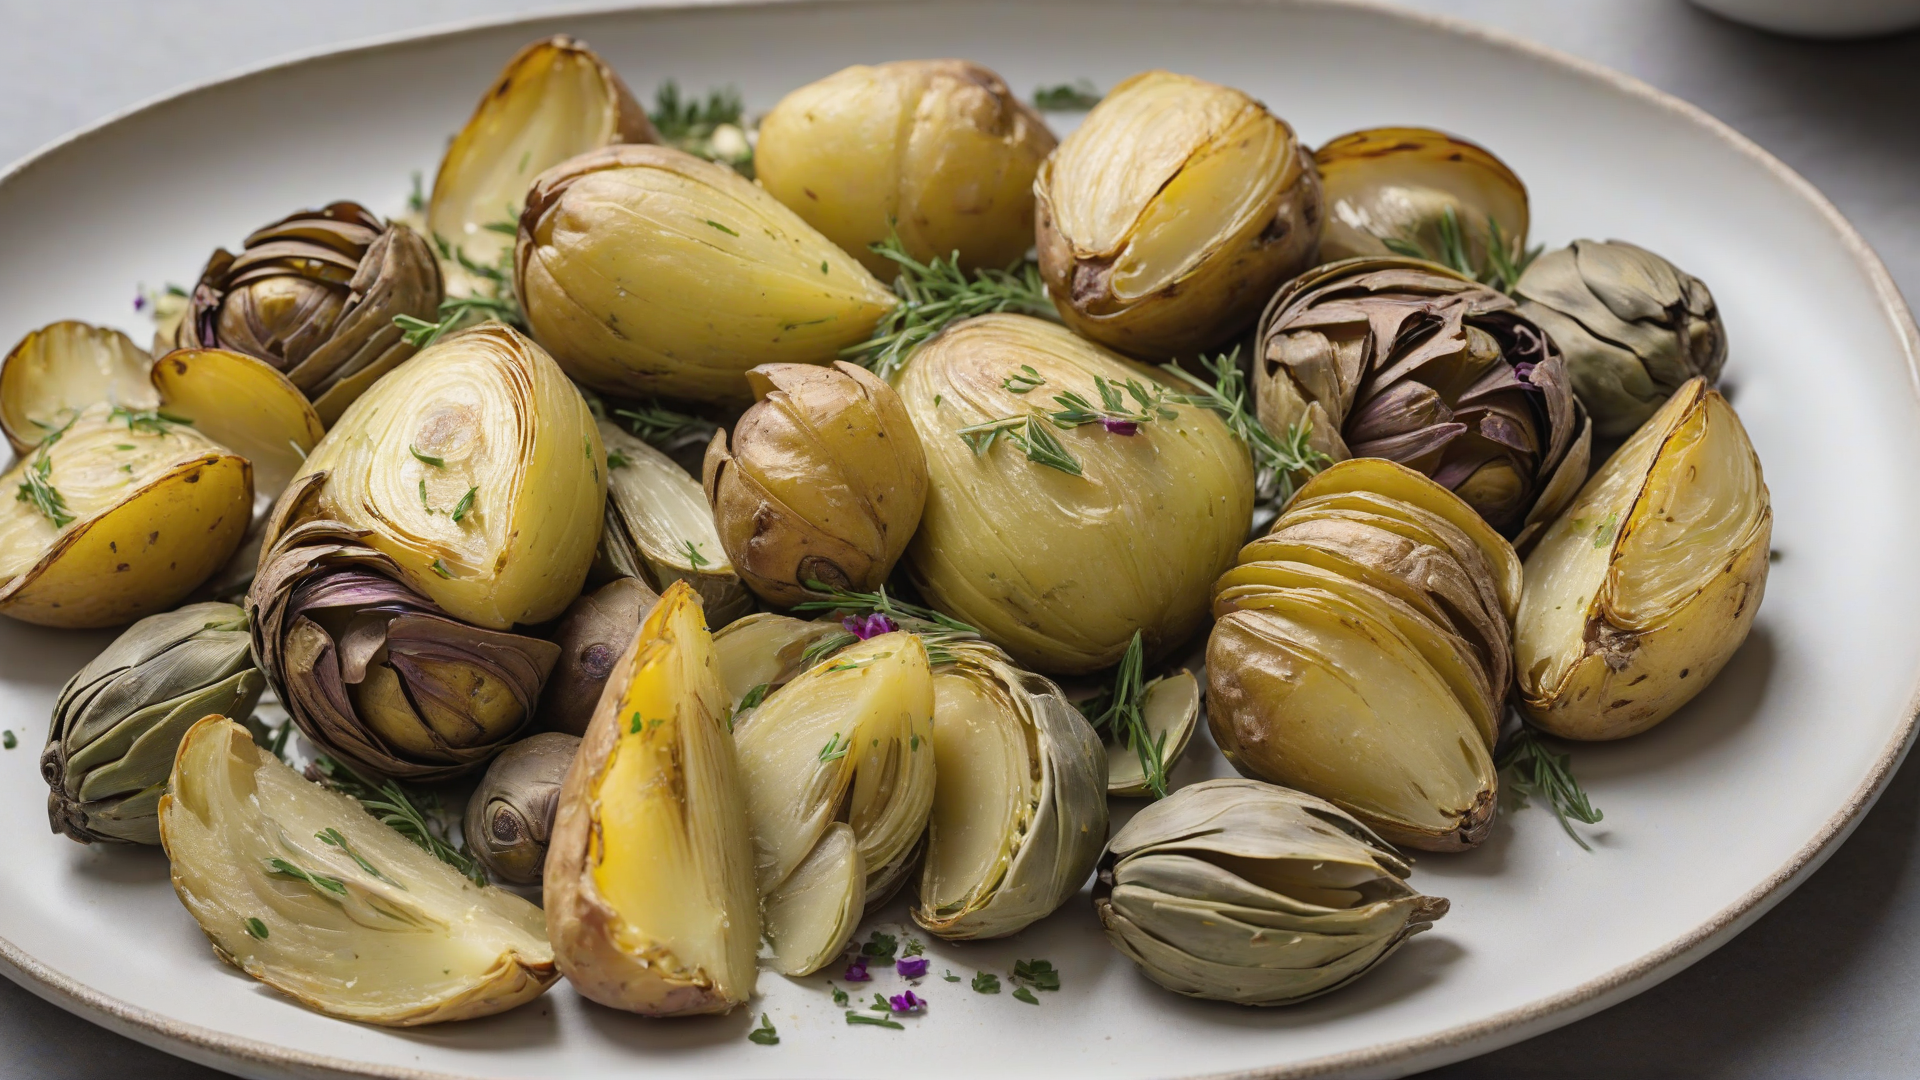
(1539, 771)
(440, 567)
(321, 882)
(950, 976)
(1118, 715)
(1023, 381)
(755, 696)
(417, 197)
(461, 508)
(692, 124)
(914, 946)
(1276, 461)
(875, 1021)
(617, 460)
(937, 293)
(8, 740)
(1503, 267)
(765, 1034)
(254, 926)
(882, 948)
(457, 312)
(835, 749)
(693, 555)
(426, 459)
(37, 488)
(986, 982)
(664, 427)
(1021, 993)
(151, 421)
(333, 838)
(393, 806)
(1039, 973)
(880, 1004)
(722, 228)
(1077, 96)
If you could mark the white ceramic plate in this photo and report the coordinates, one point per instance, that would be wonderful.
(1711, 818)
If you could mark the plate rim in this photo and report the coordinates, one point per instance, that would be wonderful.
(207, 1046)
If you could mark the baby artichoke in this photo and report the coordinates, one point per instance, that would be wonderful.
(1057, 535)
(764, 652)
(660, 529)
(1239, 891)
(1172, 214)
(1362, 654)
(510, 815)
(300, 888)
(824, 481)
(117, 514)
(649, 878)
(59, 370)
(1406, 360)
(1020, 809)
(1632, 325)
(315, 295)
(1640, 592)
(939, 150)
(118, 722)
(1426, 194)
(556, 99)
(377, 674)
(592, 636)
(648, 271)
(477, 469)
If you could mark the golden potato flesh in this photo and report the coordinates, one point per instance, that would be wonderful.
(59, 370)
(1388, 190)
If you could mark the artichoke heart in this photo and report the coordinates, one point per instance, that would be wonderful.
(119, 720)
(1420, 192)
(1362, 654)
(848, 740)
(510, 815)
(660, 529)
(116, 515)
(650, 869)
(1174, 211)
(1055, 567)
(938, 150)
(824, 482)
(477, 469)
(300, 888)
(556, 99)
(592, 635)
(1640, 593)
(1239, 891)
(649, 271)
(1020, 808)
(59, 370)
(764, 652)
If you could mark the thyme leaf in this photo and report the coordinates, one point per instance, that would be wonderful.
(937, 293)
(461, 508)
(765, 1035)
(693, 555)
(1539, 771)
(835, 749)
(37, 488)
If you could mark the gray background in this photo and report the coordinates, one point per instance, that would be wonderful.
(1824, 985)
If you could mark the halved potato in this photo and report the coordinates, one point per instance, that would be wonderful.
(55, 372)
(244, 405)
(300, 888)
(649, 880)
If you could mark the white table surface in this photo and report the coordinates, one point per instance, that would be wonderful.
(1827, 984)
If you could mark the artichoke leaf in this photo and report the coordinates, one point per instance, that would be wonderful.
(659, 527)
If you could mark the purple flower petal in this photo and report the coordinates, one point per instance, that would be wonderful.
(870, 627)
(857, 971)
(908, 1002)
(1120, 427)
(913, 967)
(140, 302)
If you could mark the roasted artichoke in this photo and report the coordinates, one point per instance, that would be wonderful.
(1362, 654)
(117, 514)
(55, 372)
(119, 720)
(659, 528)
(1020, 807)
(1058, 543)
(1172, 214)
(649, 878)
(300, 888)
(1640, 593)
(510, 815)
(764, 652)
(477, 469)
(315, 295)
(592, 635)
(1425, 194)
(939, 150)
(648, 271)
(1406, 360)
(1239, 891)
(377, 674)
(824, 481)
(1632, 326)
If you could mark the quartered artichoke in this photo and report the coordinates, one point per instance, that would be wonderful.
(553, 101)
(660, 529)
(116, 515)
(850, 738)
(592, 635)
(1020, 808)
(824, 481)
(1239, 891)
(376, 673)
(1362, 654)
(118, 722)
(1640, 593)
(764, 651)
(477, 469)
(55, 372)
(315, 295)
(650, 870)
(1406, 360)
(300, 888)
(1061, 567)
(1171, 215)
(510, 815)
(1425, 194)
(648, 271)
(938, 150)
(1632, 326)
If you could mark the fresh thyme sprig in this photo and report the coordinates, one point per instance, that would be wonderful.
(934, 294)
(151, 421)
(701, 128)
(1276, 459)
(1076, 96)
(1118, 715)
(1502, 270)
(1029, 433)
(1539, 771)
(663, 427)
(936, 631)
(457, 312)
(37, 488)
(395, 808)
